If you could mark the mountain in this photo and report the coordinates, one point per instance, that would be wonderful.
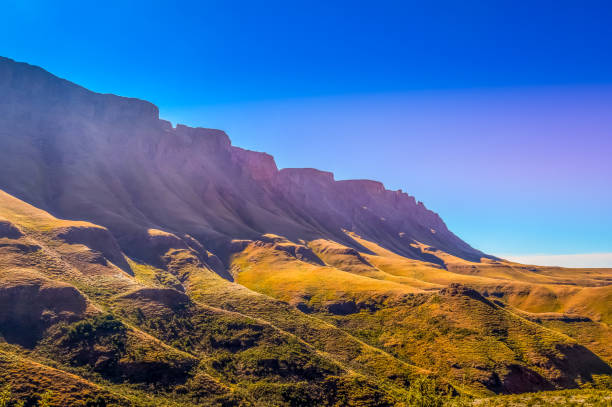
(148, 264)
(112, 161)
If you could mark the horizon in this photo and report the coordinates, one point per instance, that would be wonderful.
(514, 162)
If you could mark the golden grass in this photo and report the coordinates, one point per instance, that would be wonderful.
(400, 325)
(475, 338)
(26, 378)
(148, 275)
(345, 259)
(529, 288)
(273, 272)
(561, 398)
(28, 216)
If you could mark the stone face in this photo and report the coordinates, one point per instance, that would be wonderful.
(303, 176)
(260, 166)
(112, 161)
(212, 139)
(29, 90)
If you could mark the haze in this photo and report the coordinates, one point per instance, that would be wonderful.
(506, 135)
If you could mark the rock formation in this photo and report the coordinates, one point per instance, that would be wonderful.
(112, 161)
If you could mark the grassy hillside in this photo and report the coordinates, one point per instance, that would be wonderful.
(454, 332)
(135, 331)
(304, 323)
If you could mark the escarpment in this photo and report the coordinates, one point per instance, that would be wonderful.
(112, 161)
(154, 264)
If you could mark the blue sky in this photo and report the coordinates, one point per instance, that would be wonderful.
(497, 115)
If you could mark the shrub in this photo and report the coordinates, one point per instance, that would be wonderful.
(45, 399)
(5, 396)
(425, 392)
(99, 401)
(100, 324)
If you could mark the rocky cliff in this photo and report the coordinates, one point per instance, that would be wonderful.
(112, 161)
(120, 235)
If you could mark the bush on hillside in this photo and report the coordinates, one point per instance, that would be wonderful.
(425, 392)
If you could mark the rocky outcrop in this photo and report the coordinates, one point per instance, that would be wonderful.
(31, 92)
(393, 219)
(350, 307)
(362, 187)
(205, 139)
(260, 166)
(305, 177)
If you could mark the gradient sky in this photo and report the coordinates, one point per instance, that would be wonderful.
(497, 115)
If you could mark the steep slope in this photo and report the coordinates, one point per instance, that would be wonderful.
(66, 306)
(454, 331)
(164, 266)
(163, 327)
(110, 160)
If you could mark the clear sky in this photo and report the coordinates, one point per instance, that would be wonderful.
(497, 115)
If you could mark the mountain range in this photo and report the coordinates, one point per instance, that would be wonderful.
(143, 263)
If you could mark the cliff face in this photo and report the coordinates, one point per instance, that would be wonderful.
(112, 161)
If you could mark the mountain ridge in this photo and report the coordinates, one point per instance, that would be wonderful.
(158, 265)
(295, 203)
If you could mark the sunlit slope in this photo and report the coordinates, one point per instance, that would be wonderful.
(328, 315)
(303, 280)
(585, 292)
(416, 311)
(59, 387)
(112, 161)
(351, 260)
(64, 304)
(187, 271)
(54, 293)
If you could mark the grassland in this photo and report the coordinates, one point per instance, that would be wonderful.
(304, 323)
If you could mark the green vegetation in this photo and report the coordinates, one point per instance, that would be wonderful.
(91, 329)
(425, 392)
(347, 328)
(565, 398)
